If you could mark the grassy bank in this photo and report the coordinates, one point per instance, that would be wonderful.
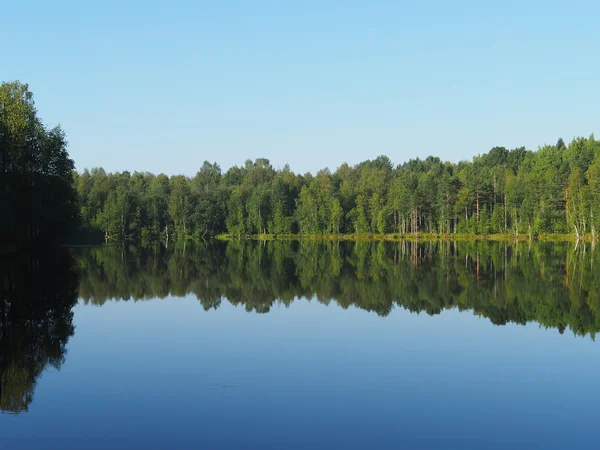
(406, 237)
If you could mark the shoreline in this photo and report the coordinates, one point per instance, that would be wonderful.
(406, 237)
(392, 237)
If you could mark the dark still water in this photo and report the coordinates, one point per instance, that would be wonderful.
(302, 345)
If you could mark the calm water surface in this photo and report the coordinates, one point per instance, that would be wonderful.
(287, 345)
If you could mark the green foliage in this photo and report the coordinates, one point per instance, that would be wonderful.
(38, 200)
(181, 203)
(554, 190)
(360, 215)
(384, 220)
(337, 214)
(551, 191)
(497, 220)
(485, 222)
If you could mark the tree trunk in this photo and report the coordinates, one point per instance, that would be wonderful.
(592, 224)
(122, 227)
(505, 214)
(415, 220)
(567, 205)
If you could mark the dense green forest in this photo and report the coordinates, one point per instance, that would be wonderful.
(505, 282)
(38, 200)
(554, 190)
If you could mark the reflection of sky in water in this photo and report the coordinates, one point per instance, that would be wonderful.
(167, 374)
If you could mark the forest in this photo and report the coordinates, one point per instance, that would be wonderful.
(554, 190)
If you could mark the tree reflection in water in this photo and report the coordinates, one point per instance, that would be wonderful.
(552, 284)
(37, 295)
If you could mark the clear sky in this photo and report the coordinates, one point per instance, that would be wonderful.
(164, 85)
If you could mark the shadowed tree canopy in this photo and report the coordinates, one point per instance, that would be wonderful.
(38, 199)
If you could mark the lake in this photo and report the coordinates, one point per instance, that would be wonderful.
(302, 345)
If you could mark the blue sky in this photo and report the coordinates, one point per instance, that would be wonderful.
(163, 86)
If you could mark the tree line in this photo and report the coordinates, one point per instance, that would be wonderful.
(505, 282)
(554, 190)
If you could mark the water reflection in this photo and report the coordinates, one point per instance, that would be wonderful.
(37, 295)
(552, 284)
